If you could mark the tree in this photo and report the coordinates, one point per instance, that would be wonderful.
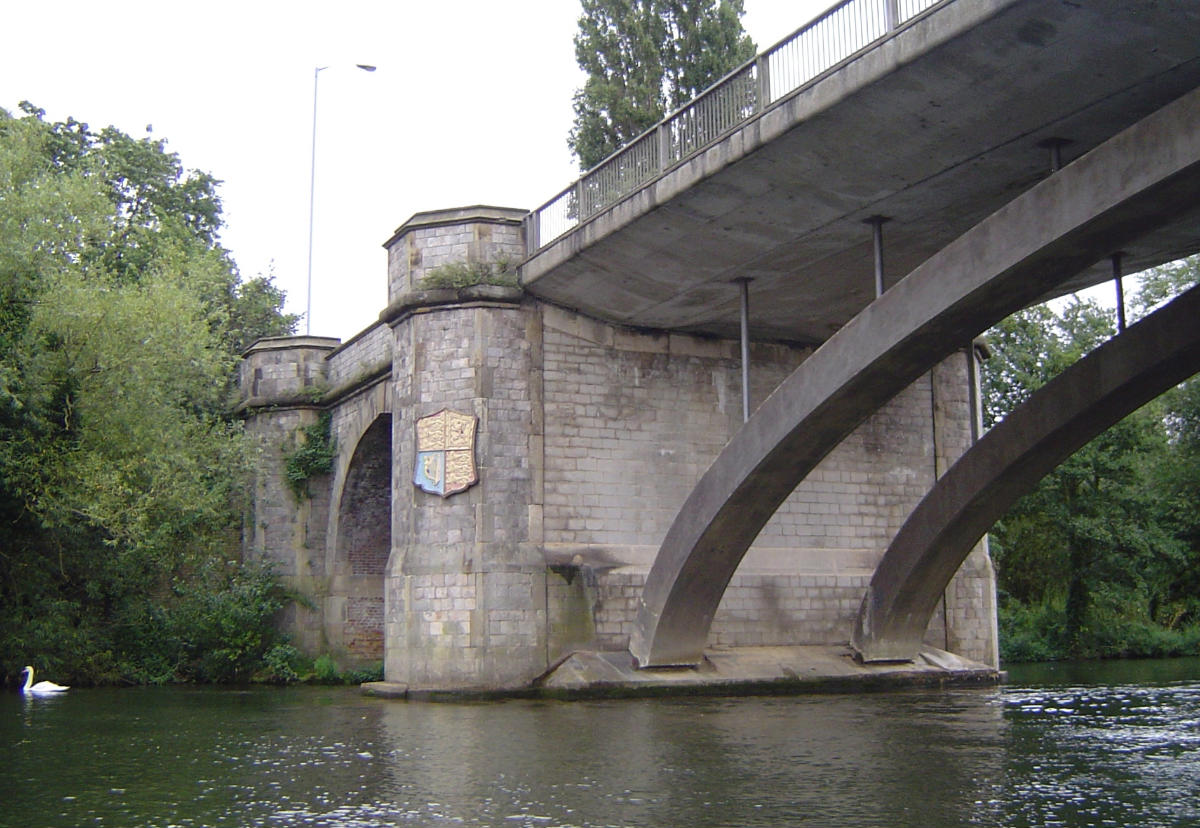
(121, 471)
(1178, 479)
(644, 58)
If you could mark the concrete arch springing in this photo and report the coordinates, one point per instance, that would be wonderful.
(1140, 180)
(1118, 377)
(359, 551)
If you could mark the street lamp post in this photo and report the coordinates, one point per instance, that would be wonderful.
(312, 190)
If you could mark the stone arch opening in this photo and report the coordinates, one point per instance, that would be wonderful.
(362, 546)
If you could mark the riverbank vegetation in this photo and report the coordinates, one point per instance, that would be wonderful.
(122, 473)
(1102, 560)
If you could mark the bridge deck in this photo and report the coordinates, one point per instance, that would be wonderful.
(935, 128)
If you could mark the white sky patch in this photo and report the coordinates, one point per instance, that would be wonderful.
(471, 104)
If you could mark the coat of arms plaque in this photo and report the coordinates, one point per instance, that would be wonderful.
(445, 453)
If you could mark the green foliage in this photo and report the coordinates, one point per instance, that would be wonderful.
(1032, 632)
(1038, 632)
(645, 58)
(253, 312)
(214, 626)
(226, 634)
(122, 477)
(313, 456)
(361, 675)
(280, 665)
(1102, 558)
(325, 671)
(466, 274)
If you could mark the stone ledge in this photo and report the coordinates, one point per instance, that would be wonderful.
(385, 689)
(415, 301)
(742, 671)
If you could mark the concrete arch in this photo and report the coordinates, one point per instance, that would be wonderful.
(1138, 181)
(359, 549)
(1152, 356)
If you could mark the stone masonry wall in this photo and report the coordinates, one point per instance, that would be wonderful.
(363, 354)
(284, 368)
(285, 382)
(968, 616)
(632, 421)
(430, 240)
(286, 532)
(589, 439)
(466, 586)
(279, 379)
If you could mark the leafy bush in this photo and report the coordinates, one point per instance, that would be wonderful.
(364, 674)
(1032, 633)
(325, 671)
(225, 626)
(280, 665)
(313, 456)
(1117, 633)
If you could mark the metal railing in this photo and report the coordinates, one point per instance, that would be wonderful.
(815, 49)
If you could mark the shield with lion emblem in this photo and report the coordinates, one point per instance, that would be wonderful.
(445, 453)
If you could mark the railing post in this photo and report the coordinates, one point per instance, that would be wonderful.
(583, 213)
(532, 226)
(891, 14)
(664, 145)
(763, 66)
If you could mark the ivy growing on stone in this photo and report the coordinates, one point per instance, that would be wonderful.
(313, 456)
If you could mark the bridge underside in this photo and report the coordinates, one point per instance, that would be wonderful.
(1103, 202)
(936, 128)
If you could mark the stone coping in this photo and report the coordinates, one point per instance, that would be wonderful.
(406, 304)
(293, 342)
(475, 214)
(368, 376)
(741, 671)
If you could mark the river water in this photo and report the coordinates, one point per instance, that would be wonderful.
(1067, 745)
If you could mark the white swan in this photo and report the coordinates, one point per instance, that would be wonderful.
(42, 688)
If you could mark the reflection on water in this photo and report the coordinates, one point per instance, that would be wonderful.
(1092, 754)
(1044, 750)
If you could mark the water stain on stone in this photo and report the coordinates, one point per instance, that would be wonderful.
(1036, 33)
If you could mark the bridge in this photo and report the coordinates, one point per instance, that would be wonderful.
(820, 237)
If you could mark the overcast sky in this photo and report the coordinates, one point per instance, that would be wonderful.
(471, 104)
